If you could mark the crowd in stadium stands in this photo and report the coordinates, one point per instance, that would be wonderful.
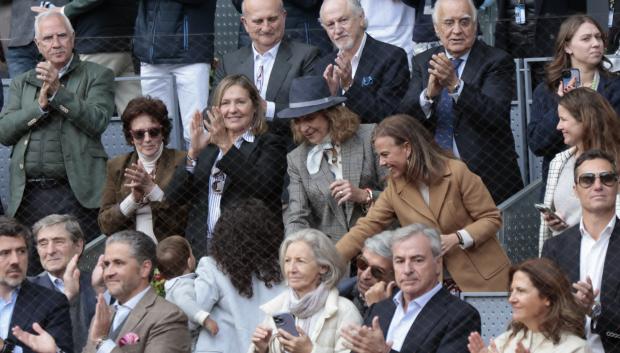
(336, 188)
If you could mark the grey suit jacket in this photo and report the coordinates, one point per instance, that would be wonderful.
(292, 60)
(311, 204)
(81, 308)
(160, 325)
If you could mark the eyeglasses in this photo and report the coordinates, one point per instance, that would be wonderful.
(218, 178)
(139, 134)
(586, 180)
(376, 272)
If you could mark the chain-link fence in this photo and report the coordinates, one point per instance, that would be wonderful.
(490, 118)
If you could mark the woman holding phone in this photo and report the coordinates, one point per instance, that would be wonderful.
(309, 316)
(578, 61)
(334, 174)
(586, 121)
(231, 157)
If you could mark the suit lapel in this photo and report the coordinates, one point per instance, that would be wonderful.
(412, 196)
(281, 67)
(570, 254)
(246, 64)
(470, 71)
(432, 313)
(321, 181)
(611, 272)
(138, 313)
(367, 59)
(437, 194)
(351, 166)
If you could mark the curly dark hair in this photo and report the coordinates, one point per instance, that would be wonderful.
(246, 240)
(152, 107)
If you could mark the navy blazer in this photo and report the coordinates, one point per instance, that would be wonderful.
(565, 249)
(543, 138)
(81, 308)
(481, 122)
(255, 170)
(47, 307)
(443, 325)
(380, 81)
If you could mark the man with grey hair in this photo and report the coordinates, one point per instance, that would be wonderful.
(54, 120)
(375, 274)
(59, 242)
(139, 317)
(461, 91)
(373, 75)
(423, 317)
(272, 60)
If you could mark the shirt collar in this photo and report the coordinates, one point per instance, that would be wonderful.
(269, 54)
(54, 278)
(606, 233)
(13, 296)
(462, 57)
(358, 53)
(248, 136)
(131, 303)
(420, 301)
(64, 69)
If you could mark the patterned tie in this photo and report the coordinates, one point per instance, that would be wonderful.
(444, 132)
(260, 78)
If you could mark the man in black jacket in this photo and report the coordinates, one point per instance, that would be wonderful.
(176, 38)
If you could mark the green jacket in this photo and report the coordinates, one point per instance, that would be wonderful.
(85, 102)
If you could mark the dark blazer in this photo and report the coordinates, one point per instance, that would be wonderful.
(380, 81)
(254, 170)
(293, 60)
(443, 325)
(565, 249)
(311, 204)
(81, 308)
(481, 115)
(168, 219)
(543, 138)
(47, 307)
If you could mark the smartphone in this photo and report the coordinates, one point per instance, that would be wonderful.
(286, 321)
(569, 74)
(546, 210)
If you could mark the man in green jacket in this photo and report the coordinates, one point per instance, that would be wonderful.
(54, 120)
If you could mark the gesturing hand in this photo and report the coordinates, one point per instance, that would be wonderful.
(96, 276)
(586, 294)
(295, 344)
(71, 278)
(217, 131)
(378, 292)
(364, 339)
(42, 342)
(476, 344)
(343, 191)
(139, 181)
(101, 321)
(261, 337)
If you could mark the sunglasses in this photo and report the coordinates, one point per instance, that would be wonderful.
(586, 180)
(376, 272)
(139, 134)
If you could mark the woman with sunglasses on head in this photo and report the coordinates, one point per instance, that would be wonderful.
(231, 157)
(132, 196)
(587, 121)
(334, 174)
(429, 185)
(580, 45)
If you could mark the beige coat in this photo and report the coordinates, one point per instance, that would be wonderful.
(325, 336)
(459, 201)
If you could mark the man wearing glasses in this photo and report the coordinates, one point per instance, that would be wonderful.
(589, 252)
(54, 120)
(375, 274)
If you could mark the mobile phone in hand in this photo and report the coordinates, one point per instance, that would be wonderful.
(569, 74)
(544, 209)
(286, 321)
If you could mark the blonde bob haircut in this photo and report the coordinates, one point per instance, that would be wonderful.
(343, 124)
(258, 125)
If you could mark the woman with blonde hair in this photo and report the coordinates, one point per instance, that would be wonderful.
(334, 175)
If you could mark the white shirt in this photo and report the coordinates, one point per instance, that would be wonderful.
(122, 311)
(426, 104)
(591, 262)
(266, 60)
(402, 320)
(355, 60)
(391, 22)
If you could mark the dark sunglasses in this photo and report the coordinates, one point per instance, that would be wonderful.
(139, 134)
(376, 272)
(586, 180)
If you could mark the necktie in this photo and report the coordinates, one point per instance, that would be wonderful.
(444, 132)
(260, 77)
(59, 285)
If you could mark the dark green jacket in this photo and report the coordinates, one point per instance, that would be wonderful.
(85, 102)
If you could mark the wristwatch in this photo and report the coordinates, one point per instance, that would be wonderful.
(596, 310)
(7, 346)
(456, 87)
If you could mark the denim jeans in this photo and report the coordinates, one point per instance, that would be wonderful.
(22, 59)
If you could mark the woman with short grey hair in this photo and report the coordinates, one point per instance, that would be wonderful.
(312, 267)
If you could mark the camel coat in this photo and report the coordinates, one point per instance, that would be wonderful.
(459, 201)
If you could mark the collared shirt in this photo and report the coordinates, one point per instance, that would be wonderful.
(215, 198)
(266, 60)
(402, 320)
(57, 282)
(335, 168)
(426, 104)
(591, 262)
(6, 313)
(122, 311)
(355, 60)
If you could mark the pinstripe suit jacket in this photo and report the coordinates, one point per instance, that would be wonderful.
(311, 204)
